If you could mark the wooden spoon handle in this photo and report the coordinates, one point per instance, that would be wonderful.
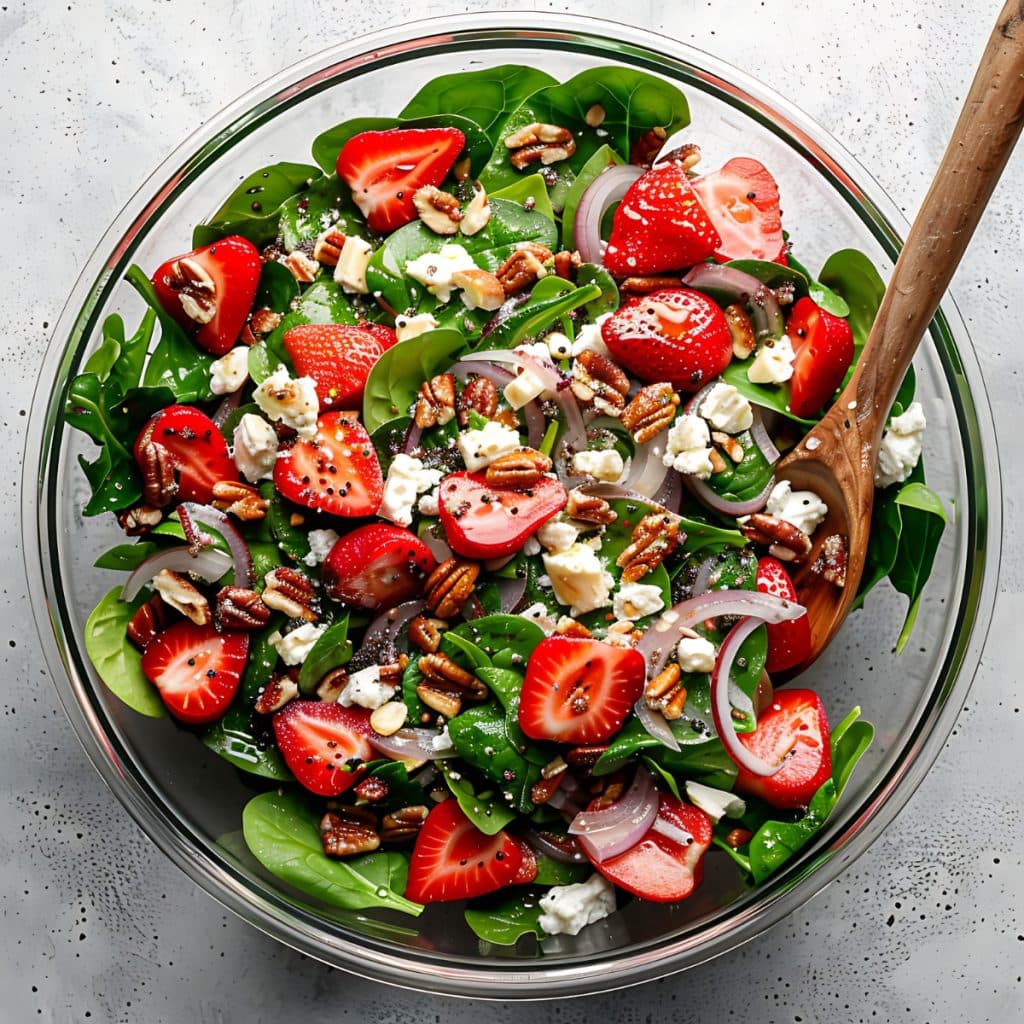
(985, 134)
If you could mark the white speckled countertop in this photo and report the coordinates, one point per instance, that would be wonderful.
(98, 926)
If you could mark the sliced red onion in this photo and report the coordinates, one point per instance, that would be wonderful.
(759, 432)
(670, 495)
(411, 441)
(482, 368)
(210, 516)
(721, 709)
(562, 801)
(411, 745)
(229, 404)
(663, 634)
(613, 830)
(511, 592)
(607, 188)
(616, 492)
(678, 835)
(210, 564)
(655, 724)
(544, 369)
(646, 472)
(388, 624)
(706, 496)
(540, 842)
(702, 581)
(759, 299)
(436, 542)
(535, 423)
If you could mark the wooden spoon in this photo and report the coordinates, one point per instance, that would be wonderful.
(836, 459)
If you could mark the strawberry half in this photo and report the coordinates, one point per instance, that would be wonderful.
(384, 170)
(824, 350)
(196, 669)
(675, 334)
(324, 744)
(377, 566)
(453, 860)
(789, 643)
(209, 291)
(336, 472)
(659, 225)
(338, 357)
(198, 451)
(579, 691)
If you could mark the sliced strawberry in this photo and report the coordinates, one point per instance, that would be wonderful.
(336, 472)
(377, 566)
(789, 643)
(579, 691)
(824, 350)
(481, 521)
(198, 451)
(659, 225)
(676, 335)
(667, 863)
(324, 744)
(453, 860)
(210, 290)
(742, 201)
(338, 357)
(384, 170)
(196, 669)
(793, 728)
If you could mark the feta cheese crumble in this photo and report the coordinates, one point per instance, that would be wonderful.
(255, 448)
(696, 654)
(604, 465)
(365, 689)
(727, 410)
(773, 363)
(407, 479)
(539, 613)
(434, 270)
(320, 544)
(230, 372)
(409, 327)
(588, 337)
(294, 647)
(804, 509)
(557, 535)
(900, 448)
(350, 271)
(568, 909)
(481, 447)
(635, 600)
(688, 447)
(578, 578)
(292, 402)
(523, 389)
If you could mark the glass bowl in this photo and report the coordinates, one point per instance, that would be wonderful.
(186, 798)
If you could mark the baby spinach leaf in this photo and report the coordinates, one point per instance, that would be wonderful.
(556, 872)
(488, 815)
(746, 479)
(291, 540)
(602, 159)
(331, 650)
(508, 640)
(504, 920)
(277, 288)
(88, 411)
(768, 396)
(505, 683)
(551, 298)
(393, 382)
(829, 300)
(116, 660)
(281, 831)
(608, 300)
(463, 651)
(530, 192)
(702, 535)
(486, 96)
(854, 278)
(231, 737)
(125, 557)
(323, 302)
(326, 203)
(772, 274)
(388, 439)
(261, 663)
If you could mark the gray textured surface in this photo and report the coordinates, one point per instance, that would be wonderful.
(98, 926)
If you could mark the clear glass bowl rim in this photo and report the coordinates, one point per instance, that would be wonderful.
(813, 869)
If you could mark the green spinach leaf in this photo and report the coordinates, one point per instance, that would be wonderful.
(854, 278)
(331, 650)
(530, 192)
(126, 557)
(326, 203)
(488, 815)
(231, 737)
(277, 288)
(504, 920)
(551, 298)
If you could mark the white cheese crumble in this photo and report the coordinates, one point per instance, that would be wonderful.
(539, 613)
(727, 410)
(604, 465)
(578, 578)
(320, 544)
(434, 270)
(588, 337)
(568, 909)
(688, 447)
(350, 271)
(295, 646)
(635, 600)
(407, 479)
(230, 372)
(429, 504)
(557, 535)
(523, 389)
(481, 447)
(716, 803)
(773, 363)
(365, 689)
(291, 401)
(696, 654)
(255, 448)
(900, 447)
(409, 327)
(804, 509)
(442, 742)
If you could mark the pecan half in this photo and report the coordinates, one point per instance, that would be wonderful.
(240, 608)
(744, 340)
(327, 248)
(537, 141)
(329, 688)
(436, 403)
(518, 469)
(449, 586)
(372, 789)
(736, 837)
(522, 268)
(480, 289)
(278, 691)
(197, 291)
(243, 501)
(652, 409)
(439, 211)
(139, 520)
(148, 620)
(182, 596)
(585, 756)
(665, 693)
(391, 675)
(426, 633)
(159, 482)
(480, 396)
(785, 541)
(654, 538)
(290, 592)
(588, 508)
(446, 685)
(832, 559)
(729, 445)
(478, 211)
(567, 626)
(403, 824)
(566, 264)
(597, 381)
(348, 830)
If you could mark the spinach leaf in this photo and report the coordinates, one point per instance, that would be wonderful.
(116, 660)
(602, 159)
(768, 396)
(281, 831)
(556, 872)
(326, 203)
(701, 535)
(486, 96)
(504, 920)
(506, 684)
(854, 278)
(231, 737)
(488, 815)
(772, 274)
(608, 300)
(746, 479)
(323, 302)
(291, 540)
(508, 640)
(277, 288)
(530, 192)
(331, 650)
(829, 300)
(126, 557)
(392, 385)
(551, 298)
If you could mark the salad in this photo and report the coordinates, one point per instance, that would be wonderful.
(446, 472)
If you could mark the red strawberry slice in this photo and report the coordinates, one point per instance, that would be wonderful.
(742, 200)
(197, 449)
(481, 521)
(384, 170)
(789, 643)
(336, 472)
(824, 350)
(338, 357)
(793, 730)
(196, 669)
(667, 864)
(659, 225)
(453, 860)
(209, 291)
(675, 334)
(377, 566)
(579, 691)
(324, 744)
